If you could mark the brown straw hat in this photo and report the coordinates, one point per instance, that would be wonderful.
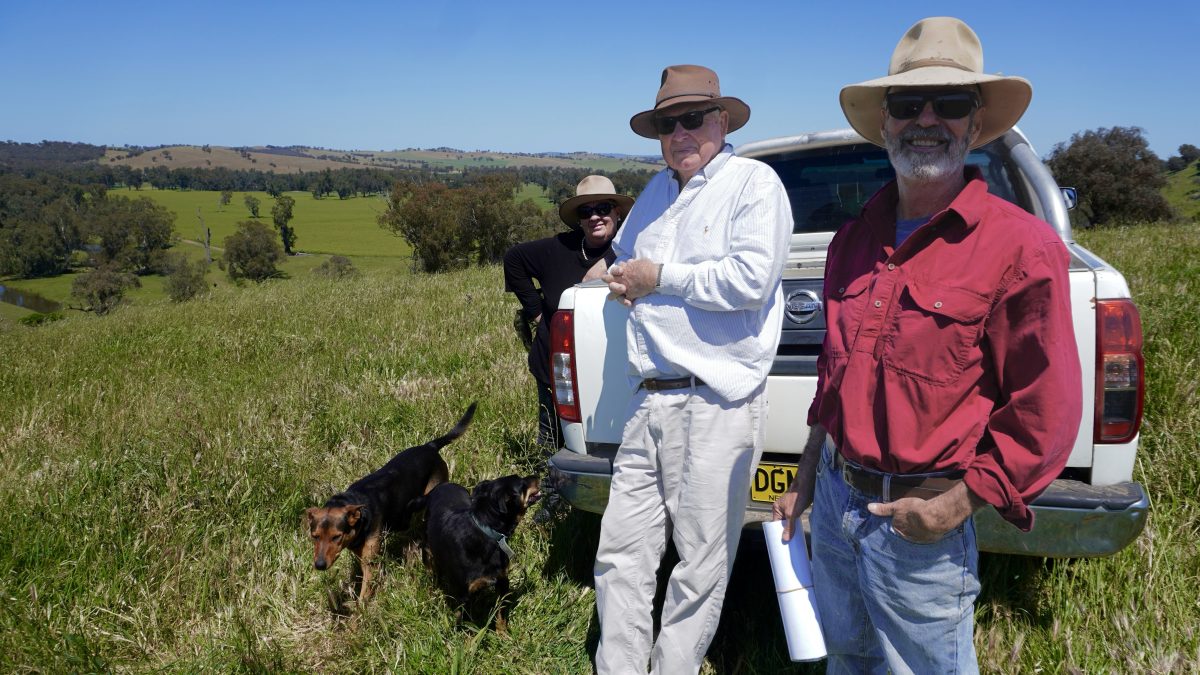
(939, 52)
(687, 84)
(593, 189)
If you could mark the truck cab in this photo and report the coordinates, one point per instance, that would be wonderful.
(1094, 508)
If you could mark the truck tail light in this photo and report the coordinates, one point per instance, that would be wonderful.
(1120, 371)
(562, 365)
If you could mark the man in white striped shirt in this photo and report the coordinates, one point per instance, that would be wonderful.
(699, 262)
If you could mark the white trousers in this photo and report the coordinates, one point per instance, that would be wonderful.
(683, 471)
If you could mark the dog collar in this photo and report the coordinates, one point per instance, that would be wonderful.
(496, 536)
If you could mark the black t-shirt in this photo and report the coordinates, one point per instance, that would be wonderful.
(556, 264)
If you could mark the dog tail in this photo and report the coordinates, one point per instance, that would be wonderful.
(458, 429)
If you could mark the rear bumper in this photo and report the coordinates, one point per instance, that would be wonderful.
(1074, 519)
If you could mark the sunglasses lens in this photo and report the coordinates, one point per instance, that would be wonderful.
(692, 121)
(664, 125)
(600, 210)
(905, 107)
(953, 106)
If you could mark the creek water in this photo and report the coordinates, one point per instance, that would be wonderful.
(27, 300)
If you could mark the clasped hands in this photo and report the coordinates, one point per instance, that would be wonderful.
(631, 280)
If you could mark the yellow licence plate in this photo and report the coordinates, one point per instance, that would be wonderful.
(770, 481)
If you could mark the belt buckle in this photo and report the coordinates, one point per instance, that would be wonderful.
(845, 469)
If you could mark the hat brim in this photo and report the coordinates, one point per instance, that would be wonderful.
(739, 113)
(566, 210)
(1005, 97)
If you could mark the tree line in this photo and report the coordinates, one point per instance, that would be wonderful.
(47, 154)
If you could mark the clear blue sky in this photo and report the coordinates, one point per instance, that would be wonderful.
(550, 76)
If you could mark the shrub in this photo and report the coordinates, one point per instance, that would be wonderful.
(251, 252)
(336, 267)
(252, 205)
(1118, 177)
(38, 318)
(102, 289)
(185, 279)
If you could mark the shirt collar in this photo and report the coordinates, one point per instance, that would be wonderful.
(880, 210)
(714, 165)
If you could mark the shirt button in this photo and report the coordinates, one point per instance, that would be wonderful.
(879, 303)
(891, 267)
(842, 289)
(937, 305)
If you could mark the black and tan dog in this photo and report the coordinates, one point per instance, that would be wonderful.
(384, 499)
(466, 540)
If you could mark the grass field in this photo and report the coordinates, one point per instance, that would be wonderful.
(1183, 191)
(345, 226)
(155, 463)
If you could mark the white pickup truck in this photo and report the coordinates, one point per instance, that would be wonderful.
(1093, 509)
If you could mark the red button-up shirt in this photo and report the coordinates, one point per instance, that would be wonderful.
(954, 351)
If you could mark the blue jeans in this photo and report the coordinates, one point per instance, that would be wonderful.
(887, 603)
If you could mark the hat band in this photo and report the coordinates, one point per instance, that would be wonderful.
(659, 102)
(930, 63)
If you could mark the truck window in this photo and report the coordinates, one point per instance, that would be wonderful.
(827, 186)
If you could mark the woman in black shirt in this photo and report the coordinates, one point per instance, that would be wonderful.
(555, 264)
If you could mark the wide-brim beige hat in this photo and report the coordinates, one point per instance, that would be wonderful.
(939, 52)
(688, 84)
(593, 189)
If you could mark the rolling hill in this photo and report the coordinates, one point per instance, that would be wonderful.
(293, 159)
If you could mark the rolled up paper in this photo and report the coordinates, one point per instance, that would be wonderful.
(793, 586)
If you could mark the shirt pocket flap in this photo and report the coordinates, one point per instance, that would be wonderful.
(956, 303)
(848, 288)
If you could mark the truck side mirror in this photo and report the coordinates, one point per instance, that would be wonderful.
(1071, 197)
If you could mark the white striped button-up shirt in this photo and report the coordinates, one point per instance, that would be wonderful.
(723, 241)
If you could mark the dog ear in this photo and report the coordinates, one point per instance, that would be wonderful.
(310, 512)
(480, 487)
(353, 514)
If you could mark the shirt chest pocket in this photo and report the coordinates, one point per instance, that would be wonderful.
(936, 331)
(844, 307)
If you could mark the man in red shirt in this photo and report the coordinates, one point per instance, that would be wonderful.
(949, 378)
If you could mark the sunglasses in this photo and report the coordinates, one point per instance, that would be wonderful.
(602, 209)
(948, 105)
(690, 121)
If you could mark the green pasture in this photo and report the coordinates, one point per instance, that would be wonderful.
(330, 225)
(11, 313)
(1183, 191)
(536, 193)
(151, 287)
(155, 464)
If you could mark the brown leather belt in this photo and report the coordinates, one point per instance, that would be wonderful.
(890, 487)
(666, 384)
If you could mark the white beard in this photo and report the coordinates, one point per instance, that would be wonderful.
(922, 166)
